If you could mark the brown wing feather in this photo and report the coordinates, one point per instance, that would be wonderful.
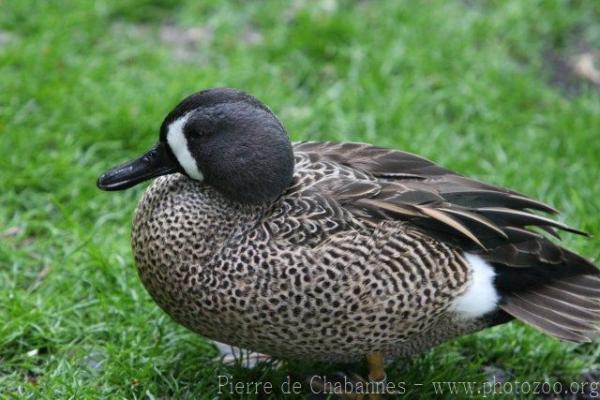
(465, 212)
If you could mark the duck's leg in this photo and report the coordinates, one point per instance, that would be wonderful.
(377, 376)
(370, 389)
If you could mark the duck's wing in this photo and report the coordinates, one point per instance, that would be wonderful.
(464, 211)
(541, 282)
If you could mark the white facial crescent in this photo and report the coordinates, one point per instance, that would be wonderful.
(178, 143)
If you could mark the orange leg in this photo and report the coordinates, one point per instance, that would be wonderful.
(376, 374)
(376, 380)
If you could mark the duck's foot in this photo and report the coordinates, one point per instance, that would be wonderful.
(230, 355)
(351, 386)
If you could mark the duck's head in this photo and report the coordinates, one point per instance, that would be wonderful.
(222, 137)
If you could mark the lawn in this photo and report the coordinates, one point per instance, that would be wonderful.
(500, 90)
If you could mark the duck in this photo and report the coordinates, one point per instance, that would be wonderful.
(338, 252)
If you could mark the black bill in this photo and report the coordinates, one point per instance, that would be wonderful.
(156, 162)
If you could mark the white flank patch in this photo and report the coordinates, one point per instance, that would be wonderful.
(481, 296)
(179, 146)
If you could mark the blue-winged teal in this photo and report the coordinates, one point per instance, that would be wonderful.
(337, 251)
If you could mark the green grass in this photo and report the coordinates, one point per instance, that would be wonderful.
(85, 85)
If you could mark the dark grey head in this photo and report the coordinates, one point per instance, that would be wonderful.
(223, 137)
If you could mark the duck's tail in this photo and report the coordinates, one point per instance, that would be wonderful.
(562, 300)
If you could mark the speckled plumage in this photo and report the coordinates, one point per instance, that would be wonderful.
(302, 277)
(335, 251)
